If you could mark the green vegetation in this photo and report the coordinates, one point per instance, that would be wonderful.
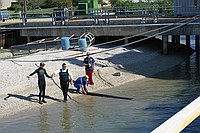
(46, 6)
(122, 3)
(42, 4)
(4, 50)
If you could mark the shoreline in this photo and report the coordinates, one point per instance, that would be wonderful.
(19, 94)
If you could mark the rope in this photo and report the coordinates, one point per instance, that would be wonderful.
(60, 87)
(57, 84)
(143, 33)
(193, 19)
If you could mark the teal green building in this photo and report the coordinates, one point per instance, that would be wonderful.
(86, 7)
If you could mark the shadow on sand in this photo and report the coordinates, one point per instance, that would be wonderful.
(31, 97)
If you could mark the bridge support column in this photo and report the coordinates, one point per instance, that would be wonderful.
(165, 41)
(107, 38)
(176, 41)
(188, 41)
(173, 39)
(126, 41)
(197, 44)
(28, 39)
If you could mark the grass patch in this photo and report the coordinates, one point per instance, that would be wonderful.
(4, 50)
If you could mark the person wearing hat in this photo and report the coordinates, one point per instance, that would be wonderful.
(41, 81)
(89, 64)
(65, 77)
(81, 83)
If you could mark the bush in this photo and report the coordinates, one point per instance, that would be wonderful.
(15, 7)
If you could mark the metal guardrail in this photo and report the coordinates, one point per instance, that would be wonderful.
(36, 46)
(105, 14)
(49, 43)
(180, 120)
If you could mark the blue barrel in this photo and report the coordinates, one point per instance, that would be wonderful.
(65, 43)
(82, 43)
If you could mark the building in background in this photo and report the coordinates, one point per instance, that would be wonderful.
(6, 3)
(186, 7)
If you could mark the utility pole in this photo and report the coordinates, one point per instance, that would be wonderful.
(24, 12)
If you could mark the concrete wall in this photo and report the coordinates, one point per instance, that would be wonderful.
(118, 30)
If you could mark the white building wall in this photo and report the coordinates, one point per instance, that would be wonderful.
(6, 3)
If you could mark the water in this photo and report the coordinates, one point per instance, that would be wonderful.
(155, 99)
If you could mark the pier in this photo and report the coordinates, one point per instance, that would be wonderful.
(117, 27)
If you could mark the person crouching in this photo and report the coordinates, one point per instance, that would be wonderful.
(81, 83)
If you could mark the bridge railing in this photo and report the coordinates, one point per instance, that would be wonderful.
(36, 46)
(104, 15)
(180, 120)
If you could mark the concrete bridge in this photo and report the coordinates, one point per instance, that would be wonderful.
(120, 27)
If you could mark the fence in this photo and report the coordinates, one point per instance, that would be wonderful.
(50, 43)
(36, 46)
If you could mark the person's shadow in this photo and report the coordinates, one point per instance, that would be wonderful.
(31, 97)
(21, 97)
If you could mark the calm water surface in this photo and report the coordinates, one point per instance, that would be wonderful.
(155, 99)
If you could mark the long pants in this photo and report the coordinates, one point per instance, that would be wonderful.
(65, 89)
(89, 73)
(79, 86)
(42, 86)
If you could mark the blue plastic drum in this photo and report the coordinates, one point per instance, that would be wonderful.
(65, 43)
(82, 43)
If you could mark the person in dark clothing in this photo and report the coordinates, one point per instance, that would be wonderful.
(89, 64)
(65, 77)
(41, 81)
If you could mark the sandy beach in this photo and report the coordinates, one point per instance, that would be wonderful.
(20, 94)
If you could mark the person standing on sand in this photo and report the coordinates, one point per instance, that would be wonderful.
(65, 77)
(41, 81)
(81, 83)
(89, 64)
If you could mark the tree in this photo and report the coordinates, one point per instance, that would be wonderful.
(58, 3)
(34, 4)
(74, 3)
(15, 7)
(122, 3)
(113, 2)
(62, 3)
(48, 4)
